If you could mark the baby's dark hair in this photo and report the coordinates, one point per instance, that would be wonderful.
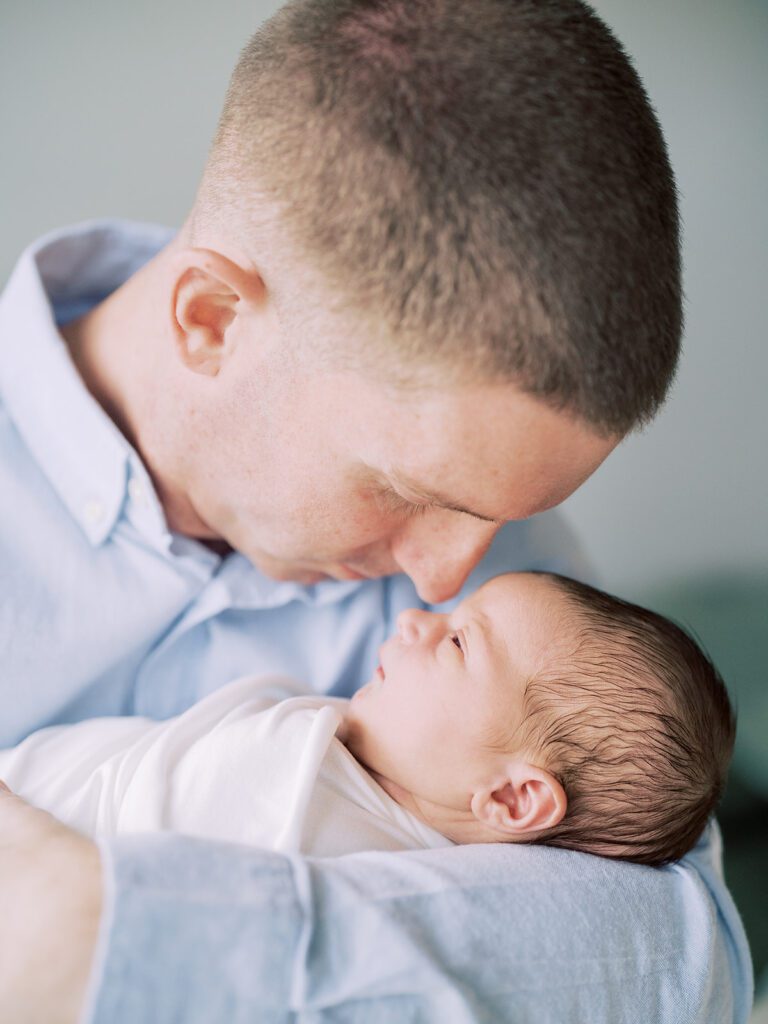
(636, 725)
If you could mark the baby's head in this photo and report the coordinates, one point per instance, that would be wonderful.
(542, 710)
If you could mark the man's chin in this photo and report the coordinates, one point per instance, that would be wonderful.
(310, 572)
(285, 572)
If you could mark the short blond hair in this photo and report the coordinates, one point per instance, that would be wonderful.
(486, 179)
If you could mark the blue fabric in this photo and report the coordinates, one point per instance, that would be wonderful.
(104, 611)
(475, 934)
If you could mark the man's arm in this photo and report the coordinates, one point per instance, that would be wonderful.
(50, 903)
(201, 932)
(195, 932)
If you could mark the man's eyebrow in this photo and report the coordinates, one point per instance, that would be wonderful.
(434, 498)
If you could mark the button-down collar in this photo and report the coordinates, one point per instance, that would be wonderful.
(90, 463)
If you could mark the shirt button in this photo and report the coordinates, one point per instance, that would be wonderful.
(93, 511)
(137, 491)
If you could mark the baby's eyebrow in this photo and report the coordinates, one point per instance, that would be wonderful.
(476, 638)
(493, 648)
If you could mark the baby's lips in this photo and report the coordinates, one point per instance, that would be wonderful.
(382, 651)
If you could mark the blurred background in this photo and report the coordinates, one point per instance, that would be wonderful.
(108, 110)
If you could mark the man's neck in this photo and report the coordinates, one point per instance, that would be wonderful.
(123, 352)
(88, 339)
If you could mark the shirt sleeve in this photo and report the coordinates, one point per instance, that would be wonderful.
(196, 932)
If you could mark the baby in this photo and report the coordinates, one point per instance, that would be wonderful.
(539, 710)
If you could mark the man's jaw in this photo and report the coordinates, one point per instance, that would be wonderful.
(306, 571)
(311, 572)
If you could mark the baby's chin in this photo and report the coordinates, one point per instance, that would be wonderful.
(365, 691)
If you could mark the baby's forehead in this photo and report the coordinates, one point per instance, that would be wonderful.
(519, 592)
(530, 616)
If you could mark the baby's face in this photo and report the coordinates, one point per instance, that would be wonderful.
(448, 684)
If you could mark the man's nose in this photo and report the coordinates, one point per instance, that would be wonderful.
(439, 549)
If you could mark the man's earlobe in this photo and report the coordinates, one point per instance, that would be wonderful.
(210, 292)
(523, 799)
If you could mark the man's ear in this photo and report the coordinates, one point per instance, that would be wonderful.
(210, 292)
(520, 799)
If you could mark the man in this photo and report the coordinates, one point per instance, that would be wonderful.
(430, 280)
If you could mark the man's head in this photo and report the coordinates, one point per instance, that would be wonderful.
(483, 188)
(434, 240)
(543, 710)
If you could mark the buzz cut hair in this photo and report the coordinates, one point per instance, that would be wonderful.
(487, 181)
(637, 726)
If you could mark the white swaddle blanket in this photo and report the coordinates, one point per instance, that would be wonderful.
(253, 762)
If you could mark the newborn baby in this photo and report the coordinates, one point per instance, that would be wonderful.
(539, 710)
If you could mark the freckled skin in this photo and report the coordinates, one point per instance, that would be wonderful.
(313, 472)
(327, 502)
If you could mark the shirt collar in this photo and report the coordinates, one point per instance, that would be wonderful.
(77, 446)
(87, 460)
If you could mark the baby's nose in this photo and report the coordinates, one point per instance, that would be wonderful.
(413, 625)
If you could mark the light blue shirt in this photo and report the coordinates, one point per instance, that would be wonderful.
(104, 611)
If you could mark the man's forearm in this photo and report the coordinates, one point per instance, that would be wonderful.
(51, 897)
(202, 931)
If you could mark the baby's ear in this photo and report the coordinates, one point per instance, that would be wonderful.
(519, 800)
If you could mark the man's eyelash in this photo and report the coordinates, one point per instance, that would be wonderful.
(400, 504)
(412, 509)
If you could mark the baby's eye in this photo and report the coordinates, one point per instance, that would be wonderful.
(456, 639)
